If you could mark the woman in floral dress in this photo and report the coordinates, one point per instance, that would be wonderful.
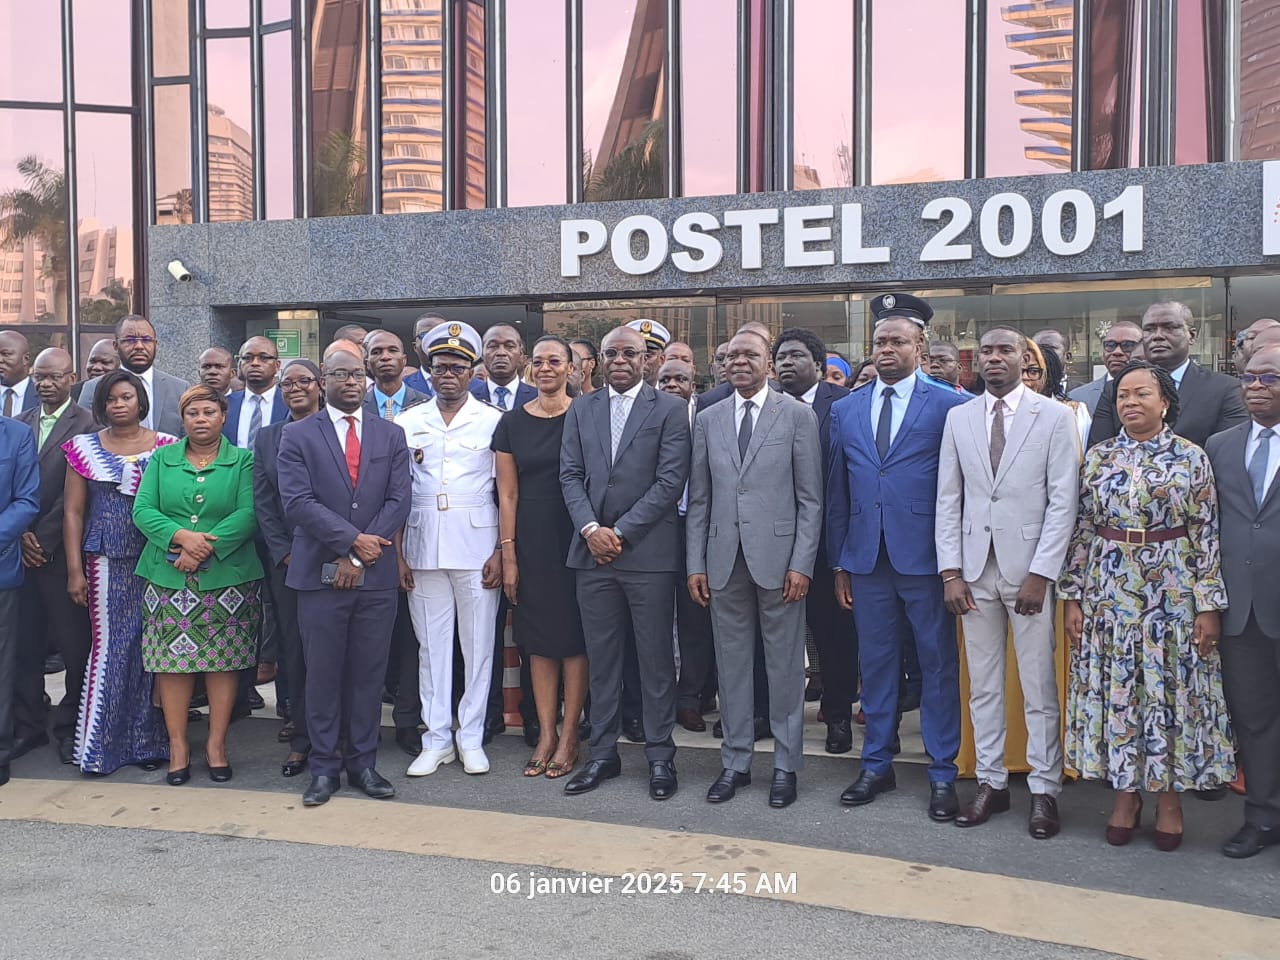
(1142, 591)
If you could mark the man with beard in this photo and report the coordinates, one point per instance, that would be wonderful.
(135, 343)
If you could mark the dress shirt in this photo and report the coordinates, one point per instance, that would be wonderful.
(682, 507)
(47, 420)
(341, 425)
(512, 387)
(811, 394)
(740, 405)
(19, 394)
(630, 395)
(1273, 452)
(1180, 373)
(148, 377)
(397, 400)
(246, 414)
(1011, 401)
(902, 391)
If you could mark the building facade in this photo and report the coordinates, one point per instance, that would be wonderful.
(566, 165)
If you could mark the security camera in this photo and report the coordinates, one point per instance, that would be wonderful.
(179, 271)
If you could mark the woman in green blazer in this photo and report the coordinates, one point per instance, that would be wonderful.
(202, 605)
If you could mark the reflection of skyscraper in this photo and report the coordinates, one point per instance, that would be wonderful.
(1259, 79)
(26, 294)
(412, 109)
(339, 92)
(1044, 33)
(230, 168)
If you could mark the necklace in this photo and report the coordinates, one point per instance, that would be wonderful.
(552, 413)
(203, 462)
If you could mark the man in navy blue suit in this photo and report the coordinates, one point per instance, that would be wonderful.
(881, 491)
(19, 506)
(17, 392)
(345, 484)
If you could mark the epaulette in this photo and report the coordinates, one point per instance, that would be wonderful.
(417, 403)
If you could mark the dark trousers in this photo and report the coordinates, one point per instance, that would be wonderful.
(837, 641)
(10, 610)
(495, 709)
(632, 702)
(406, 711)
(346, 637)
(608, 599)
(1251, 678)
(697, 648)
(50, 621)
(292, 661)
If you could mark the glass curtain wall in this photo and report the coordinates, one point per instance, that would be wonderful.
(1259, 126)
(822, 107)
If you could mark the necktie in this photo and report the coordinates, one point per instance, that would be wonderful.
(885, 424)
(500, 394)
(1258, 465)
(255, 419)
(388, 413)
(353, 451)
(744, 431)
(997, 437)
(8, 401)
(617, 421)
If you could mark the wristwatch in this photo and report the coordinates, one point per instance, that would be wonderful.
(355, 561)
(589, 529)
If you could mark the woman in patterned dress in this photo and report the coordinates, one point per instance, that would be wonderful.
(118, 724)
(1142, 592)
(202, 603)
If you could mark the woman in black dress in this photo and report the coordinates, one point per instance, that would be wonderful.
(536, 532)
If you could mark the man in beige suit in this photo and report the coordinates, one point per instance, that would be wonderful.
(1008, 492)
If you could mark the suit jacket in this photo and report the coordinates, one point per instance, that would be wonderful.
(1027, 511)
(896, 499)
(411, 397)
(327, 514)
(276, 533)
(524, 393)
(828, 393)
(235, 403)
(1091, 393)
(1208, 403)
(30, 399)
(638, 493)
(418, 381)
(167, 391)
(1249, 535)
(768, 503)
(722, 391)
(19, 496)
(53, 470)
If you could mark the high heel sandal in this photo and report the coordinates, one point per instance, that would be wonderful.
(1119, 836)
(1167, 842)
(556, 770)
(218, 774)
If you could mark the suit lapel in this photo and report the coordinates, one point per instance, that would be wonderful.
(977, 416)
(641, 407)
(916, 403)
(765, 421)
(330, 433)
(1023, 422)
(59, 434)
(600, 417)
(861, 410)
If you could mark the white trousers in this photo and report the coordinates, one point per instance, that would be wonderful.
(437, 596)
(986, 632)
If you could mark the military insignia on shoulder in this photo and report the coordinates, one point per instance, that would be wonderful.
(493, 406)
(417, 455)
(409, 406)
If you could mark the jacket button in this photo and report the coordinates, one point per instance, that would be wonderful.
(611, 483)
(876, 505)
(994, 498)
(1257, 526)
(742, 490)
(1248, 563)
(986, 529)
(355, 506)
(883, 473)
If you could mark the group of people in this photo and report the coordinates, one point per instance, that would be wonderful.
(388, 530)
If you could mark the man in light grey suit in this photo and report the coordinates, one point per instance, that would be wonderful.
(1122, 338)
(135, 341)
(1008, 493)
(754, 522)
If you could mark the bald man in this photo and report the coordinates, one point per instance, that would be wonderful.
(16, 390)
(1246, 341)
(217, 367)
(102, 359)
(724, 390)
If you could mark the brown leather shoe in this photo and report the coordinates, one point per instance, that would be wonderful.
(985, 803)
(691, 719)
(1044, 822)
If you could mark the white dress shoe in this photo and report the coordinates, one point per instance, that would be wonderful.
(474, 761)
(429, 761)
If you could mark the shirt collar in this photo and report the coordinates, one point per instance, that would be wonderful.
(511, 387)
(147, 376)
(1180, 372)
(1255, 428)
(811, 394)
(1011, 399)
(902, 389)
(337, 415)
(57, 413)
(759, 399)
(631, 394)
(268, 396)
(20, 388)
(397, 397)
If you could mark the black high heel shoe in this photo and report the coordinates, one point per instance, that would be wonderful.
(176, 778)
(218, 774)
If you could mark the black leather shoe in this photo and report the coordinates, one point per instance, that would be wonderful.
(409, 740)
(372, 784)
(839, 737)
(54, 664)
(782, 793)
(532, 733)
(24, 745)
(1213, 793)
(1250, 840)
(67, 749)
(763, 731)
(726, 785)
(633, 730)
(864, 789)
(255, 700)
(320, 790)
(291, 768)
(717, 730)
(662, 780)
(943, 803)
(176, 778)
(592, 775)
(218, 774)
(492, 727)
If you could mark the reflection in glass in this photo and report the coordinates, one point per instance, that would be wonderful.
(1259, 79)
(823, 78)
(1113, 82)
(230, 122)
(691, 320)
(470, 161)
(225, 13)
(536, 124)
(1197, 102)
(339, 88)
(277, 119)
(709, 97)
(917, 115)
(412, 109)
(170, 39)
(104, 205)
(623, 111)
(33, 218)
(1029, 86)
(103, 39)
(172, 157)
(30, 51)
(274, 11)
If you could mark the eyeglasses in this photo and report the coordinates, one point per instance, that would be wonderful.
(555, 363)
(1128, 346)
(627, 353)
(299, 383)
(448, 369)
(137, 341)
(264, 357)
(1268, 380)
(1033, 371)
(342, 376)
(49, 377)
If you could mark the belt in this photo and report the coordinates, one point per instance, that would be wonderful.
(1137, 536)
(454, 501)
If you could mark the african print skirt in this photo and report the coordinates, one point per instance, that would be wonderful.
(200, 631)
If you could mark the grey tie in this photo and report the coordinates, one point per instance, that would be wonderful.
(1258, 465)
(255, 419)
(8, 401)
(744, 431)
(997, 437)
(617, 421)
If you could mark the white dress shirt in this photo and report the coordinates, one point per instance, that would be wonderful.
(811, 394)
(740, 406)
(341, 426)
(512, 387)
(902, 391)
(246, 414)
(1011, 401)
(1273, 452)
(1180, 373)
(148, 377)
(19, 395)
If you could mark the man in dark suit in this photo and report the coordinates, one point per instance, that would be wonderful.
(102, 360)
(50, 620)
(418, 380)
(19, 506)
(799, 362)
(344, 483)
(1245, 460)
(136, 344)
(17, 392)
(300, 387)
(1121, 339)
(624, 461)
(1209, 402)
